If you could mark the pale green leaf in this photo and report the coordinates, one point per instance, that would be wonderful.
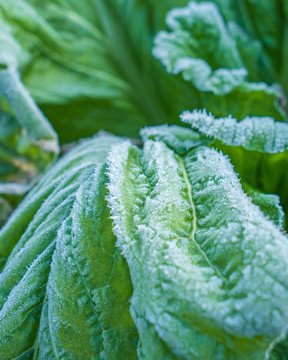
(80, 296)
(74, 317)
(201, 48)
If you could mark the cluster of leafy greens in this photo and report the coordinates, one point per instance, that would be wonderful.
(147, 253)
(151, 248)
(235, 54)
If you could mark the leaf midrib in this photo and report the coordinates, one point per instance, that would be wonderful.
(192, 237)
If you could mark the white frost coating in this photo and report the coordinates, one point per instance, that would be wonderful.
(117, 155)
(179, 18)
(150, 241)
(262, 134)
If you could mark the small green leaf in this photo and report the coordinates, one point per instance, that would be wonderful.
(178, 138)
(268, 203)
(252, 133)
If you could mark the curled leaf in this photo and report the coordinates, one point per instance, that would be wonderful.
(178, 138)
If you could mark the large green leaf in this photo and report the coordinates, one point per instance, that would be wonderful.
(64, 274)
(197, 248)
(55, 187)
(181, 140)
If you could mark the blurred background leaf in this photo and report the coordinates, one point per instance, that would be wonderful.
(28, 143)
(89, 66)
(237, 69)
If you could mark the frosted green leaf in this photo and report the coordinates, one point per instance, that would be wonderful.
(268, 203)
(216, 46)
(204, 260)
(81, 295)
(201, 48)
(83, 311)
(93, 242)
(257, 147)
(19, 314)
(70, 317)
(152, 252)
(252, 133)
(34, 243)
(178, 138)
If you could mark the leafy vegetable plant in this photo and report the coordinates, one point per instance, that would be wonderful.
(167, 225)
(169, 247)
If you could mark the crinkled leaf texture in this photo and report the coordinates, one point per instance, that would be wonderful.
(252, 133)
(123, 252)
(178, 138)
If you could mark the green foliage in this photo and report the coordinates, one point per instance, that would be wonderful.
(256, 146)
(109, 77)
(154, 248)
